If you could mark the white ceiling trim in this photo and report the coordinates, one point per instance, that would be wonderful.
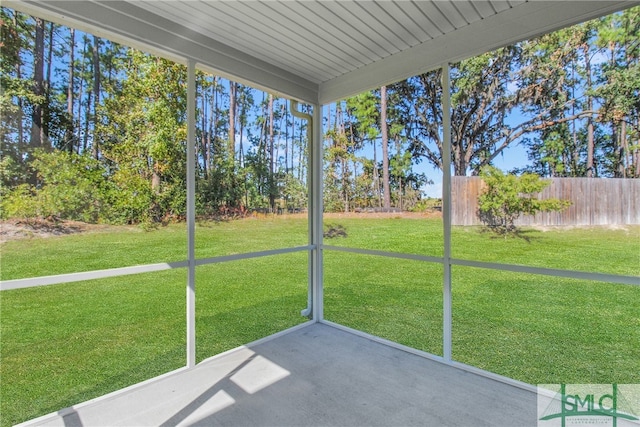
(317, 51)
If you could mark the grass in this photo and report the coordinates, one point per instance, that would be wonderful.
(592, 249)
(129, 246)
(400, 300)
(536, 329)
(67, 343)
(235, 304)
(546, 329)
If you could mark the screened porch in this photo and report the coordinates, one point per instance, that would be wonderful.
(321, 369)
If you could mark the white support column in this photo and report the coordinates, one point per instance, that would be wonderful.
(311, 264)
(316, 153)
(191, 213)
(446, 213)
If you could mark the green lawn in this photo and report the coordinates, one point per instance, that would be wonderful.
(134, 246)
(536, 329)
(542, 329)
(63, 344)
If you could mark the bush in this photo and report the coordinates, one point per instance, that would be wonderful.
(130, 199)
(427, 205)
(506, 197)
(69, 186)
(21, 202)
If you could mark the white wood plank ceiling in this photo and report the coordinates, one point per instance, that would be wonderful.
(318, 51)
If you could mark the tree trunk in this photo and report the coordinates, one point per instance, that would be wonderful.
(636, 159)
(590, 137)
(241, 160)
(38, 84)
(618, 167)
(232, 119)
(20, 103)
(204, 133)
(283, 115)
(155, 178)
(46, 111)
(342, 137)
(243, 115)
(385, 148)
(271, 134)
(636, 153)
(214, 130)
(376, 176)
(400, 172)
(95, 149)
(626, 163)
(293, 143)
(69, 137)
(286, 138)
(300, 151)
(272, 197)
(263, 134)
(87, 119)
(80, 94)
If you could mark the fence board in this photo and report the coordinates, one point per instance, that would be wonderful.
(594, 201)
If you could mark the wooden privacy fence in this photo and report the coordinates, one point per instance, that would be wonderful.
(594, 201)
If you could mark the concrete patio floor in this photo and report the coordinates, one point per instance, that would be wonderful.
(316, 375)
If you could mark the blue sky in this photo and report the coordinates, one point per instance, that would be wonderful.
(514, 156)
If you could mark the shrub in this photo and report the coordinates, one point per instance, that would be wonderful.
(69, 186)
(427, 205)
(131, 199)
(21, 202)
(506, 197)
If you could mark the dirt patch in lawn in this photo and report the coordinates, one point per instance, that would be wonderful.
(16, 229)
(407, 215)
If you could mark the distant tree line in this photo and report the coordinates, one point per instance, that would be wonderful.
(96, 131)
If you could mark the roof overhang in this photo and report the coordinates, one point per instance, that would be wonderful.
(301, 49)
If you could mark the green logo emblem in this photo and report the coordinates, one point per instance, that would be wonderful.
(586, 405)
